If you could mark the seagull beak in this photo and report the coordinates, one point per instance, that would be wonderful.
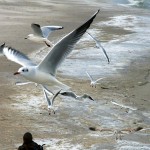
(16, 73)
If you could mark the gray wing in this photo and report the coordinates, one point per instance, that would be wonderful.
(22, 83)
(47, 30)
(104, 52)
(91, 36)
(89, 76)
(87, 96)
(37, 29)
(55, 96)
(15, 56)
(70, 94)
(98, 43)
(61, 50)
(46, 97)
(98, 80)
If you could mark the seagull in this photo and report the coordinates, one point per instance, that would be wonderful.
(44, 73)
(72, 94)
(51, 101)
(41, 33)
(98, 45)
(93, 83)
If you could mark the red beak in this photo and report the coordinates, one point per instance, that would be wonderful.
(16, 73)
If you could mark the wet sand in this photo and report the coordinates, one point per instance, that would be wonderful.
(24, 109)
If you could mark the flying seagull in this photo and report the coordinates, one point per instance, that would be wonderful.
(44, 73)
(41, 33)
(73, 95)
(93, 83)
(98, 45)
(50, 101)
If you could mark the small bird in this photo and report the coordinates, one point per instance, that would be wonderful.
(98, 45)
(41, 33)
(73, 95)
(93, 83)
(51, 101)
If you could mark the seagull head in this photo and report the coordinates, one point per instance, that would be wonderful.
(29, 36)
(23, 71)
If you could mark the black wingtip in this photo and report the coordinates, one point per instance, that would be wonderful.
(91, 98)
(58, 92)
(64, 93)
(35, 24)
(2, 46)
(96, 13)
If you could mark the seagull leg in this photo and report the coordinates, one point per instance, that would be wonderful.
(50, 110)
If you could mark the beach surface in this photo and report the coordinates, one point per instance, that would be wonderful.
(119, 118)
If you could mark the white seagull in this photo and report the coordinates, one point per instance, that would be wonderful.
(73, 95)
(41, 33)
(93, 83)
(51, 101)
(44, 73)
(98, 45)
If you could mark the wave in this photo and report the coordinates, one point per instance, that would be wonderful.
(134, 3)
(140, 3)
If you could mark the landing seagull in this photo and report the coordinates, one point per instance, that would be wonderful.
(45, 72)
(98, 45)
(73, 95)
(93, 83)
(41, 33)
(51, 101)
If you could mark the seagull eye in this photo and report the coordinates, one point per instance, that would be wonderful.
(25, 70)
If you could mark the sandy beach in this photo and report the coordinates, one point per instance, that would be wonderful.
(122, 99)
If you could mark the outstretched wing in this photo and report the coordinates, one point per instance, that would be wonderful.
(70, 94)
(47, 30)
(15, 56)
(98, 80)
(98, 43)
(37, 29)
(55, 96)
(46, 97)
(89, 76)
(91, 36)
(87, 96)
(104, 51)
(61, 50)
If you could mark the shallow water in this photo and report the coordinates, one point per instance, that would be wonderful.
(128, 40)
